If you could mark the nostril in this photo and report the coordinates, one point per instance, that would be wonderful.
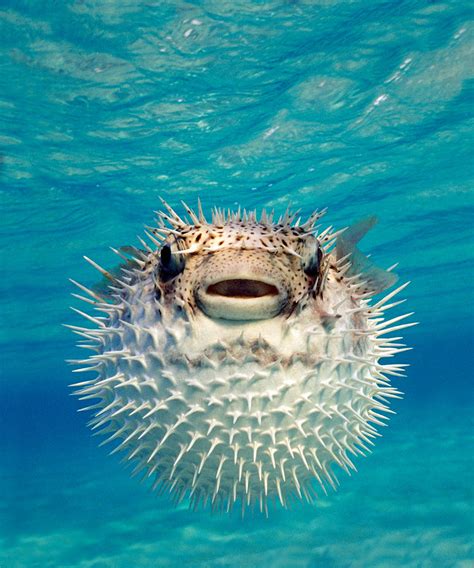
(242, 288)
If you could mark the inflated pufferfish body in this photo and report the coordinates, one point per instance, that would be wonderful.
(239, 359)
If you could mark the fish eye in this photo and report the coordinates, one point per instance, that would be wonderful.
(311, 258)
(171, 264)
(165, 255)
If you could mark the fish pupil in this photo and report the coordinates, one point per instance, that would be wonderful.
(165, 255)
(312, 268)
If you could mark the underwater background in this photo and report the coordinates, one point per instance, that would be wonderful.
(364, 107)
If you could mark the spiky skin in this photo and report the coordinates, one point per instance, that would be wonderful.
(255, 411)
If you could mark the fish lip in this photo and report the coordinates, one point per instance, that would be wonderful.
(258, 297)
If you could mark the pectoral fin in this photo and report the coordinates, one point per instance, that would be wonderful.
(103, 287)
(377, 278)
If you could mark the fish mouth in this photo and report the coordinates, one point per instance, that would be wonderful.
(241, 299)
(242, 288)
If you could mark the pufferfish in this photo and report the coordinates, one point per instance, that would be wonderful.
(238, 360)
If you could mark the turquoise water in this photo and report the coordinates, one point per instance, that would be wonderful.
(362, 107)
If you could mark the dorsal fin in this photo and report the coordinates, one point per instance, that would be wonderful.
(377, 278)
